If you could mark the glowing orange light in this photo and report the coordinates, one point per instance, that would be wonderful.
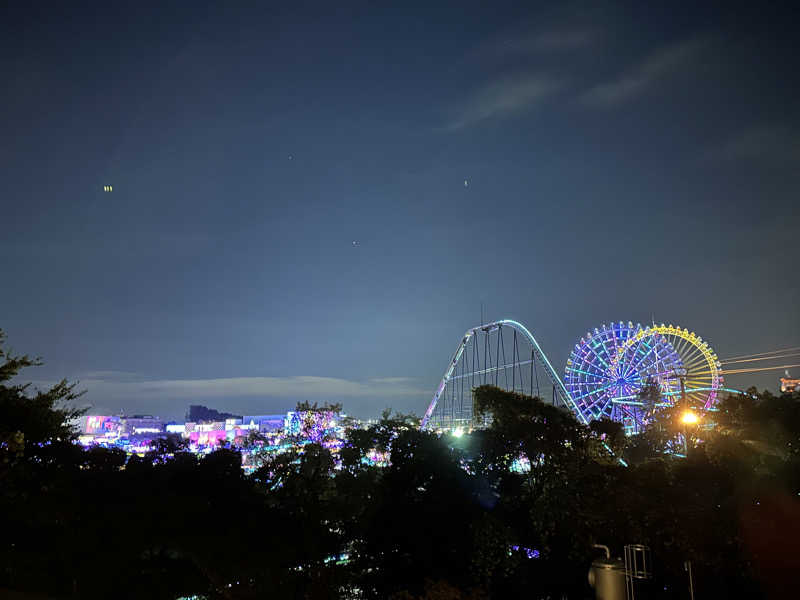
(689, 418)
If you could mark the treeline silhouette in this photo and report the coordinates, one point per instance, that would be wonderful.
(511, 511)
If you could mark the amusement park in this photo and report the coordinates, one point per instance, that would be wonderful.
(622, 371)
(240, 242)
(547, 473)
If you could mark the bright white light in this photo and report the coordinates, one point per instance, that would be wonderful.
(689, 418)
(458, 432)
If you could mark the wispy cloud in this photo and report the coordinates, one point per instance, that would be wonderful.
(638, 79)
(114, 392)
(113, 375)
(301, 386)
(774, 145)
(535, 42)
(501, 98)
(118, 387)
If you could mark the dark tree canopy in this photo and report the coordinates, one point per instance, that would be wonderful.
(30, 418)
(509, 511)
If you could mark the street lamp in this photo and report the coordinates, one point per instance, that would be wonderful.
(689, 418)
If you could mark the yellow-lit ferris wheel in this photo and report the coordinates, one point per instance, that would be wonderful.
(692, 372)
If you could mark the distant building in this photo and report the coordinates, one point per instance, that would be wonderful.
(263, 423)
(101, 425)
(789, 385)
(132, 433)
(199, 414)
(140, 424)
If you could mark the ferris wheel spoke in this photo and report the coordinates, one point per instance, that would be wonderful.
(631, 365)
(600, 358)
(690, 355)
(598, 368)
(595, 391)
(585, 358)
(693, 373)
(679, 344)
(697, 367)
(600, 397)
(689, 351)
(695, 362)
(698, 382)
(686, 352)
(651, 349)
(604, 410)
(592, 376)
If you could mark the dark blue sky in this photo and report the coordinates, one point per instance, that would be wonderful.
(623, 162)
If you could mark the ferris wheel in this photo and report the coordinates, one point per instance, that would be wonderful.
(608, 368)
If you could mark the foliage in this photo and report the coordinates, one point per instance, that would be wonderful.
(308, 407)
(650, 395)
(41, 418)
(443, 518)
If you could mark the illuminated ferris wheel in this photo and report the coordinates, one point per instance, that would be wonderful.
(608, 368)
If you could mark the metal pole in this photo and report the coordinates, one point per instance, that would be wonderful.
(485, 354)
(533, 366)
(514, 364)
(685, 408)
(687, 565)
(497, 372)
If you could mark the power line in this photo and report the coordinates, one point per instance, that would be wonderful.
(761, 353)
(745, 360)
(736, 371)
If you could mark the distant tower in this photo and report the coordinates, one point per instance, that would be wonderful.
(789, 385)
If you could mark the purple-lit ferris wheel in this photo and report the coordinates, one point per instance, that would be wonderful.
(609, 366)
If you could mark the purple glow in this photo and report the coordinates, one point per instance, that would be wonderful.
(530, 553)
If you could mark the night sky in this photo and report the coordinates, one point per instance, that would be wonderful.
(311, 201)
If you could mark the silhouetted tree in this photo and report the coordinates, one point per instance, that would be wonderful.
(504, 512)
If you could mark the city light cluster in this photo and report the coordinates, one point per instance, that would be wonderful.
(251, 434)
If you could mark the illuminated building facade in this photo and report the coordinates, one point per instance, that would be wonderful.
(101, 425)
(264, 423)
(789, 385)
(139, 424)
(251, 434)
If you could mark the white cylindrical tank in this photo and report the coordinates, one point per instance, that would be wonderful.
(607, 577)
